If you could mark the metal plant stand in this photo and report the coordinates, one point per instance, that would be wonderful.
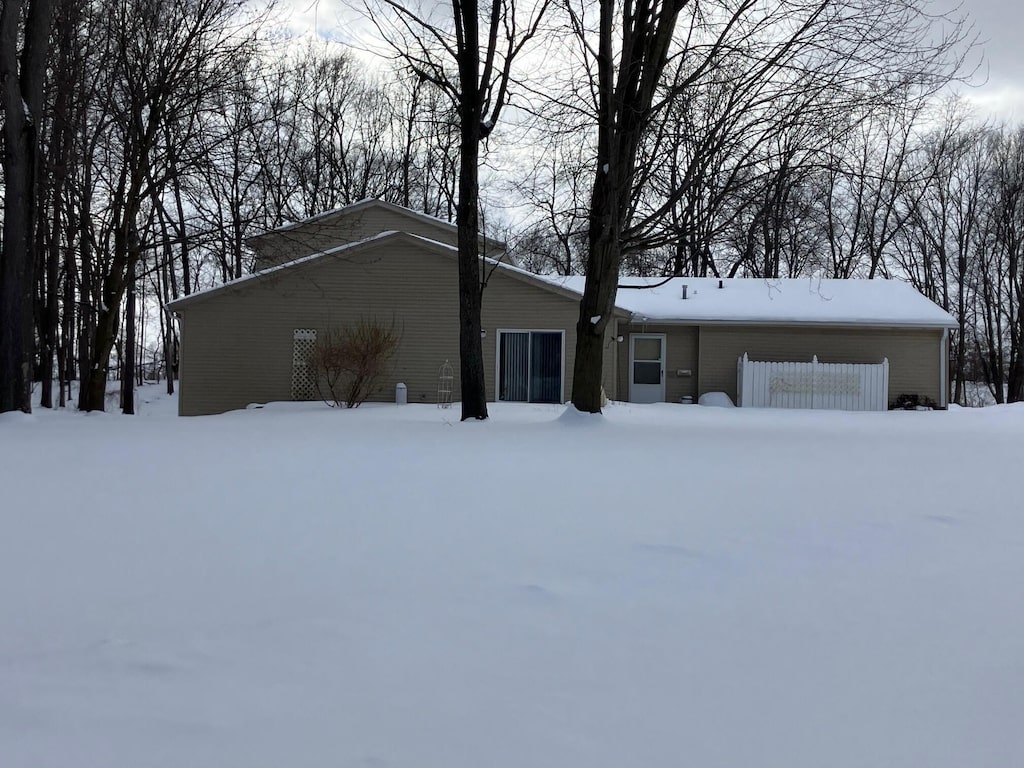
(445, 377)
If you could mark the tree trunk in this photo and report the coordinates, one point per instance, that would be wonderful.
(58, 162)
(471, 356)
(167, 290)
(128, 363)
(71, 312)
(21, 96)
(1015, 374)
(597, 304)
(48, 331)
(186, 266)
(625, 98)
(94, 380)
(467, 219)
(87, 313)
(166, 329)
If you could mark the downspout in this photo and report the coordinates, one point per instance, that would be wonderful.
(944, 369)
(698, 391)
(612, 390)
(613, 395)
(181, 357)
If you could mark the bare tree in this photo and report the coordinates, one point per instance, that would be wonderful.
(626, 81)
(556, 188)
(835, 53)
(470, 58)
(1001, 269)
(167, 59)
(936, 248)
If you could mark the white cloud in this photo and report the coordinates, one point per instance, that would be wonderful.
(997, 101)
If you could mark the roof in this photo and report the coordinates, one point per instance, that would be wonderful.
(774, 301)
(784, 301)
(369, 202)
(375, 240)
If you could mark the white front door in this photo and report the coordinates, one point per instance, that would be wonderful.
(647, 368)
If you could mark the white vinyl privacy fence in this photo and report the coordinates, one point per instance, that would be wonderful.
(832, 386)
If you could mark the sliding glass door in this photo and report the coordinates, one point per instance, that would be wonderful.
(530, 366)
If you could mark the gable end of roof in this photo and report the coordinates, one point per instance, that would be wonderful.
(358, 206)
(374, 241)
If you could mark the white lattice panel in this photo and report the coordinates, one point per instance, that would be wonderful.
(303, 384)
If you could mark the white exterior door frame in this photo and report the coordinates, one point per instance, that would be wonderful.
(642, 371)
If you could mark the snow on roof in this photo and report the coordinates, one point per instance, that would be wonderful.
(780, 301)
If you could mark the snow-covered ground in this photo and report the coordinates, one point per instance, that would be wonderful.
(663, 586)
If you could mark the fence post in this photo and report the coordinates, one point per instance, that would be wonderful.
(739, 382)
(885, 384)
(814, 381)
(745, 383)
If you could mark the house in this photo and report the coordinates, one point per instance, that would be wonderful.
(246, 341)
(698, 328)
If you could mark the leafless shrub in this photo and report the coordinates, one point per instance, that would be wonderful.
(347, 363)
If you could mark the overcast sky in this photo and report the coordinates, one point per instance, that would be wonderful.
(999, 24)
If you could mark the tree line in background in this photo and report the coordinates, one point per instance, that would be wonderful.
(166, 133)
(771, 140)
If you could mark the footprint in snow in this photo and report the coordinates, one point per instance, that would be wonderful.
(670, 550)
(943, 519)
(536, 592)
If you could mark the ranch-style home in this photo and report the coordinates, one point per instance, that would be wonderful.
(671, 340)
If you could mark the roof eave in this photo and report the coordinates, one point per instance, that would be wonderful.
(636, 317)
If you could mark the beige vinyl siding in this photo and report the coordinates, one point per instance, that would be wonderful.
(914, 354)
(510, 304)
(680, 354)
(351, 226)
(239, 347)
(276, 248)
